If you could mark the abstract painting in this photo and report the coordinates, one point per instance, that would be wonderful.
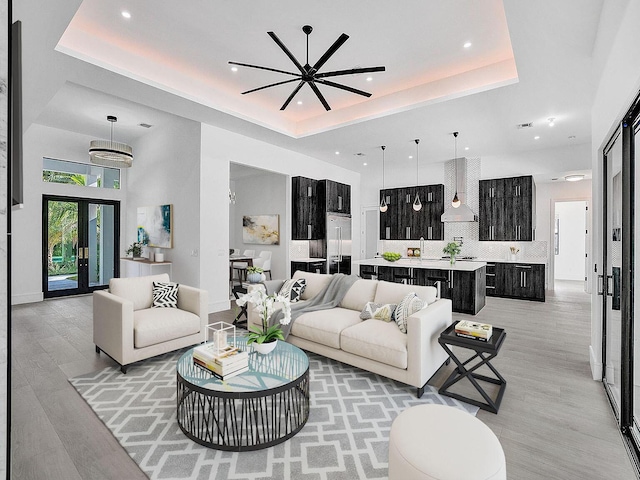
(155, 226)
(261, 229)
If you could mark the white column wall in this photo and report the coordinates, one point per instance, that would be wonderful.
(219, 148)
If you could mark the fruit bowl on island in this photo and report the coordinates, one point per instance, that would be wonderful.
(391, 256)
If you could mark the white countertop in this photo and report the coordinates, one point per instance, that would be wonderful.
(308, 260)
(436, 264)
(502, 260)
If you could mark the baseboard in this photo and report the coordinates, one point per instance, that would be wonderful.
(27, 298)
(596, 366)
(219, 306)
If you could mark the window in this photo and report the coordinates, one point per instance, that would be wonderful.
(84, 174)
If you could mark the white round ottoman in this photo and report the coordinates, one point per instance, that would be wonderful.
(438, 442)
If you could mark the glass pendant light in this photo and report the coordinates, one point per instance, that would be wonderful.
(417, 204)
(455, 203)
(383, 202)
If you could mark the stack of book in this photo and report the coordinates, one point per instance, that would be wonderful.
(224, 363)
(475, 330)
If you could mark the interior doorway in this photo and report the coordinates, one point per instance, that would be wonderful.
(571, 241)
(369, 231)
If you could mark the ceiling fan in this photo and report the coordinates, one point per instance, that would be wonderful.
(309, 74)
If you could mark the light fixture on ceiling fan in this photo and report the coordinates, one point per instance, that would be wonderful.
(110, 153)
(417, 204)
(455, 203)
(383, 202)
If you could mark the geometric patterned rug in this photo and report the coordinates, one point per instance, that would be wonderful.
(345, 437)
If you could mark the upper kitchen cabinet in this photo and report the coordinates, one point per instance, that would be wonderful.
(507, 209)
(336, 195)
(402, 222)
(306, 223)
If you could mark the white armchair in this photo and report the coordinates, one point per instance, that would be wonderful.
(128, 329)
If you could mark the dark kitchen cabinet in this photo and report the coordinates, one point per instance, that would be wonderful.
(465, 289)
(368, 272)
(402, 222)
(522, 280)
(336, 196)
(307, 222)
(507, 209)
(491, 279)
(316, 266)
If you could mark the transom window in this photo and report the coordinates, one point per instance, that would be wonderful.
(83, 174)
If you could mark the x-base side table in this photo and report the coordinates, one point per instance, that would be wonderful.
(485, 352)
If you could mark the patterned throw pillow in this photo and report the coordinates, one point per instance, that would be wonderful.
(292, 289)
(165, 295)
(409, 305)
(379, 311)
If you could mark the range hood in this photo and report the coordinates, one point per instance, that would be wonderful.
(463, 213)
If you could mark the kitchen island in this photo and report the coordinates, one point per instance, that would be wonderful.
(464, 282)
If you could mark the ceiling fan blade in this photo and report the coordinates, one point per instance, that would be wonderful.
(264, 68)
(293, 94)
(352, 71)
(271, 85)
(319, 95)
(331, 50)
(343, 87)
(286, 51)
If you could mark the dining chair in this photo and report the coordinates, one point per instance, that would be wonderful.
(241, 267)
(264, 262)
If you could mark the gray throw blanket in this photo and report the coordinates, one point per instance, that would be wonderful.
(329, 297)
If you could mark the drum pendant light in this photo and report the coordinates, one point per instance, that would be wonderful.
(455, 203)
(383, 202)
(110, 153)
(417, 204)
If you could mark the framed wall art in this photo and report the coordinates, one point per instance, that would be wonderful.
(155, 226)
(261, 229)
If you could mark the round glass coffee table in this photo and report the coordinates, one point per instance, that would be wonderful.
(257, 409)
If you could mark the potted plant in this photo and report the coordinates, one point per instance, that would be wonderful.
(254, 274)
(135, 250)
(452, 249)
(264, 338)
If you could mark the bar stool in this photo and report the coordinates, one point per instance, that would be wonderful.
(405, 278)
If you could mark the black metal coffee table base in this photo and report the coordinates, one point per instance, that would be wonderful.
(485, 352)
(242, 421)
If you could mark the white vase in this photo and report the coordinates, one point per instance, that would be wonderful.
(254, 277)
(264, 348)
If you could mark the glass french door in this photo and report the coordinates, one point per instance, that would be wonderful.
(80, 244)
(617, 284)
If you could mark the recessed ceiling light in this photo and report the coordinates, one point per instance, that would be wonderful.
(365, 164)
(466, 148)
(299, 102)
(410, 156)
(126, 14)
(537, 137)
(551, 121)
(234, 69)
(467, 45)
(369, 79)
(574, 178)
(337, 153)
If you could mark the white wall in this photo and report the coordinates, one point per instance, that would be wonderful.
(219, 148)
(26, 257)
(261, 195)
(617, 77)
(166, 170)
(569, 263)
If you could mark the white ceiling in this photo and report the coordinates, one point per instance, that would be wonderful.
(527, 63)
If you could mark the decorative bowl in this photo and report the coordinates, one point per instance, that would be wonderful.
(391, 256)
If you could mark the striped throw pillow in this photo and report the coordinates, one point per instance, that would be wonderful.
(409, 305)
(165, 295)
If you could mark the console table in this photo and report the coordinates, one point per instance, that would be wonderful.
(142, 267)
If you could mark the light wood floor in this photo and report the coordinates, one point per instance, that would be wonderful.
(554, 422)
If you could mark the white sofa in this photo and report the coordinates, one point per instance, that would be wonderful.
(128, 329)
(372, 345)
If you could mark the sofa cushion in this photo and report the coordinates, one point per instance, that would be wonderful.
(165, 295)
(293, 289)
(376, 340)
(324, 326)
(360, 293)
(388, 292)
(157, 325)
(138, 290)
(315, 283)
(409, 305)
(378, 311)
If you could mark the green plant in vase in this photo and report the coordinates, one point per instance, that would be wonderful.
(452, 249)
(265, 305)
(135, 249)
(254, 274)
